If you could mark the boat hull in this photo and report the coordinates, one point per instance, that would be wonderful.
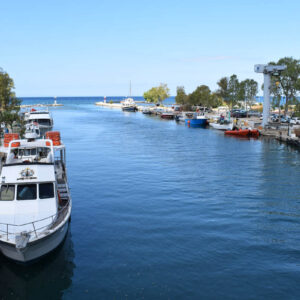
(131, 109)
(243, 133)
(35, 249)
(222, 126)
(196, 122)
(167, 116)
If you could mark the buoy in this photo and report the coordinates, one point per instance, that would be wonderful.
(189, 123)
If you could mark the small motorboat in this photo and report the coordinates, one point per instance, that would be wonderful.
(243, 132)
(167, 115)
(225, 125)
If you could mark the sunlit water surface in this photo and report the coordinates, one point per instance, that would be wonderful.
(162, 211)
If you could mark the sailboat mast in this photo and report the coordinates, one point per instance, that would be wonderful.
(130, 88)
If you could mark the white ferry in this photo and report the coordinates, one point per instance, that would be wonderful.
(42, 117)
(35, 201)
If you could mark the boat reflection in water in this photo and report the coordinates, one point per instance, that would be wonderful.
(46, 278)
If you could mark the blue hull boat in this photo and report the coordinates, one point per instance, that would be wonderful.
(196, 122)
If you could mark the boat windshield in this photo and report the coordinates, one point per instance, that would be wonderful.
(45, 122)
(26, 192)
(25, 152)
(46, 190)
(7, 192)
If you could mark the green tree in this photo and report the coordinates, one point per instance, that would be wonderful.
(200, 96)
(234, 90)
(9, 103)
(157, 94)
(181, 96)
(229, 90)
(223, 90)
(248, 89)
(288, 80)
(215, 100)
(8, 100)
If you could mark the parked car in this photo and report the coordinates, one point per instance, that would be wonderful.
(238, 113)
(295, 121)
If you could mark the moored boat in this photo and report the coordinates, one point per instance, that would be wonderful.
(129, 105)
(197, 121)
(167, 115)
(42, 117)
(35, 201)
(225, 125)
(243, 132)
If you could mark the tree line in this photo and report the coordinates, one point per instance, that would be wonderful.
(231, 91)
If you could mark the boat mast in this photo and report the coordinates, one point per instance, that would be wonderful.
(130, 88)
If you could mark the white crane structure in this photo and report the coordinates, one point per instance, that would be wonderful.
(268, 70)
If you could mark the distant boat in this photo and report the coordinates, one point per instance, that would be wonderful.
(128, 104)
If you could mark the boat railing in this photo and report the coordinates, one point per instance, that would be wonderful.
(55, 220)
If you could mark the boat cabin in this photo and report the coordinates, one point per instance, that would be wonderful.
(29, 196)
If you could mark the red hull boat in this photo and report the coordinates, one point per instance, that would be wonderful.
(243, 132)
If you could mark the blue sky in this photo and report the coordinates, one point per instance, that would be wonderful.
(93, 48)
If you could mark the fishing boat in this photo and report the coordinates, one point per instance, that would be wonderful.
(42, 117)
(197, 121)
(225, 125)
(243, 132)
(35, 200)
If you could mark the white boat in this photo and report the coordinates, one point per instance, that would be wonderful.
(129, 105)
(226, 125)
(35, 201)
(42, 117)
(32, 131)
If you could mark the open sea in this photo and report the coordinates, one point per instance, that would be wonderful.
(162, 211)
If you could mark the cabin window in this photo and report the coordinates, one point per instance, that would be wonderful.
(45, 122)
(27, 152)
(46, 190)
(7, 192)
(26, 192)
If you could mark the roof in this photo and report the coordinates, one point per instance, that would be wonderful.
(39, 116)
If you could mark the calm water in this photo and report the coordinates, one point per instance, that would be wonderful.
(162, 211)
